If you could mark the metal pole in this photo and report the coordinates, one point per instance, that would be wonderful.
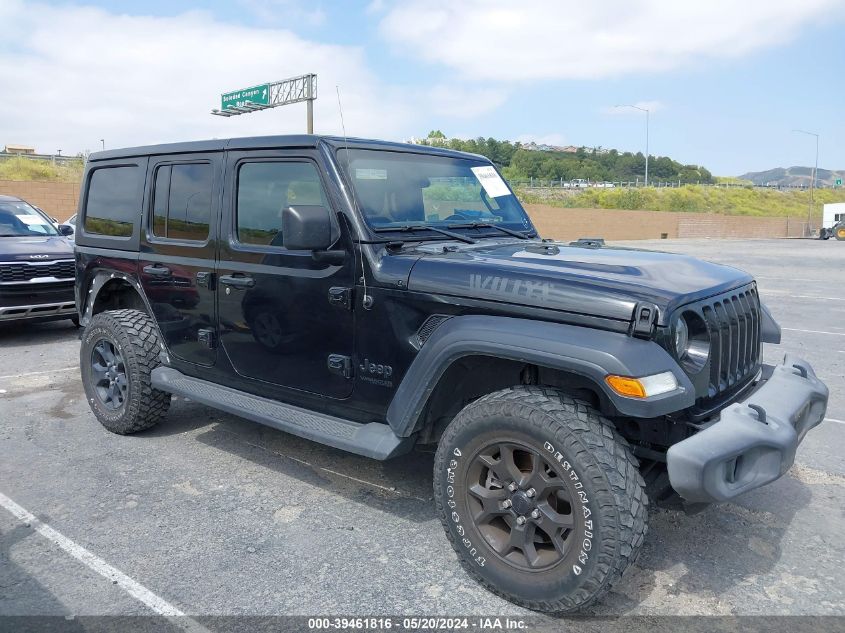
(812, 182)
(628, 105)
(310, 115)
(646, 148)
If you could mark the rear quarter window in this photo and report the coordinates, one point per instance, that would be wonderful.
(113, 204)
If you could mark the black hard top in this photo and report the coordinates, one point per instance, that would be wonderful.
(266, 142)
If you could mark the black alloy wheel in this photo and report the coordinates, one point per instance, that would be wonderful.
(521, 505)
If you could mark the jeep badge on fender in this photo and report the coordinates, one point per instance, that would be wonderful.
(558, 382)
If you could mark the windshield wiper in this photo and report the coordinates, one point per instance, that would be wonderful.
(425, 227)
(488, 225)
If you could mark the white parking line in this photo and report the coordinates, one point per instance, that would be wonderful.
(793, 329)
(786, 292)
(834, 420)
(117, 577)
(40, 373)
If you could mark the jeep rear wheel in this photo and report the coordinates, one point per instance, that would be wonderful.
(540, 498)
(119, 351)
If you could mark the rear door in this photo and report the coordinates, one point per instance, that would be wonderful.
(282, 317)
(178, 251)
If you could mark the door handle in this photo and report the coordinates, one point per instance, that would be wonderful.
(155, 270)
(239, 281)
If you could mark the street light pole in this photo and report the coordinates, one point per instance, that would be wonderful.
(103, 141)
(628, 105)
(813, 181)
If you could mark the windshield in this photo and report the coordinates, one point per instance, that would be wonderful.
(396, 189)
(18, 219)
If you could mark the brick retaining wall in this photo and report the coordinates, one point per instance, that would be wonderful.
(59, 199)
(615, 224)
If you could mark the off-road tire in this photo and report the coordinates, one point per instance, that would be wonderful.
(135, 336)
(594, 459)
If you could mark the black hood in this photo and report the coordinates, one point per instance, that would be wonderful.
(604, 282)
(35, 248)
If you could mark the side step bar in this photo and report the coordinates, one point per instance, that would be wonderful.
(373, 440)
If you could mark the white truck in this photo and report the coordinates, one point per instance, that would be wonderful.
(833, 221)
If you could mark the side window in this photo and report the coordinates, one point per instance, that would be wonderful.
(182, 201)
(113, 204)
(264, 189)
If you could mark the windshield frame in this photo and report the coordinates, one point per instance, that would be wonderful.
(48, 221)
(406, 231)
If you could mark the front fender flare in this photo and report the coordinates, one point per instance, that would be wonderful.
(588, 352)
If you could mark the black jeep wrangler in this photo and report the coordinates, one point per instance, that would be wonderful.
(373, 296)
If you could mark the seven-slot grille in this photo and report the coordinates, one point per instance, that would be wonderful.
(26, 271)
(733, 321)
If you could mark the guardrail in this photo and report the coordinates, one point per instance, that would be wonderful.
(55, 158)
(538, 183)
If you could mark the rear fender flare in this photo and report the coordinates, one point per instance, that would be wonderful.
(85, 304)
(587, 352)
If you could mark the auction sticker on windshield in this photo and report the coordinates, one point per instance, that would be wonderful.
(491, 181)
(31, 219)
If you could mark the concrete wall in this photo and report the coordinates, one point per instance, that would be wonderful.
(58, 199)
(614, 224)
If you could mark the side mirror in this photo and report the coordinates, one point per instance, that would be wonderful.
(308, 227)
(66, 229)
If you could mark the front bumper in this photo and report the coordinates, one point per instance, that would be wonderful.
(754, 441)
(37, 300)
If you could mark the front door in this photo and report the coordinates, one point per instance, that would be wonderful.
(176, 263)
(276, 321)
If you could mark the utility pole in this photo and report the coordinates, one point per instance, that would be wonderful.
(628, 105)
(813, 181)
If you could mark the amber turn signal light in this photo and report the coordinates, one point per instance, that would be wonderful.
(644, 387)
(624, 386)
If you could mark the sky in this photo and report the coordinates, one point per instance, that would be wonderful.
(725, 82)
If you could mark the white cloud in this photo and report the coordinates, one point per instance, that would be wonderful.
(286, 11)
(72, 75)
(503, 40)
(462, 101)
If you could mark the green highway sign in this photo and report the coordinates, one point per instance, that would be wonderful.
(838, 182)
(257, 95)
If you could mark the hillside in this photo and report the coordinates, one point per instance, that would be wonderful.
(691, 198)
(793, 176)
(33, 169)
(522, 162)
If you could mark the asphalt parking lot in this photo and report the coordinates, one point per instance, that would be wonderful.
(216, 515)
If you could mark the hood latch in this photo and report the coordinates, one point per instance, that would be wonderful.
(645, 320)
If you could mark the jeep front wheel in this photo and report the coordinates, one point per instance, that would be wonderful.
(119, 350)
(540, 497)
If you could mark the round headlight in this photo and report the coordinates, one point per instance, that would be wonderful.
(692, 342)
(681, 338)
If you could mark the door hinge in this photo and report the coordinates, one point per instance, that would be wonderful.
(341, 365)
(645, 320)
(205, 279)
(339, 296)
(207, 337)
